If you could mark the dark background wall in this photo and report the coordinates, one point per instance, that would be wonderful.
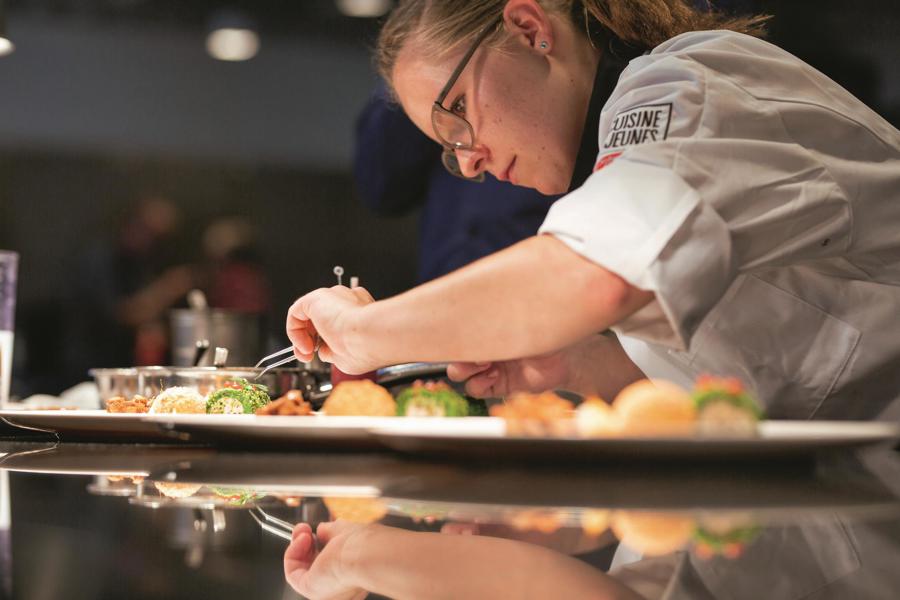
(104, 100)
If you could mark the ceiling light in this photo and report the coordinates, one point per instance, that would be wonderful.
(233, 44)
(364, 8)
(6, 46)
(232, 36)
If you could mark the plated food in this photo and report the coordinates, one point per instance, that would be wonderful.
(291, 404)
(724, 406)
(178, 400)
(646, 408)
(233, 396)
(118, 404)
(536, 415)
(431, 399)
(360, 397)
(356, 398)
(237, 396)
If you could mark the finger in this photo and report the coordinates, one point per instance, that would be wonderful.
(298, 560)
(460, 528)
(363, 294)
(299, 555)
(325, 353)
(300, 330)
(300, 528)
(484, 385)
(460, 371)
(303, 342)
(326, 531)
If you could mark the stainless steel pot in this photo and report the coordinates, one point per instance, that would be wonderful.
(241, 333)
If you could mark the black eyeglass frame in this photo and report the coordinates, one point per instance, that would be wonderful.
(451, 163)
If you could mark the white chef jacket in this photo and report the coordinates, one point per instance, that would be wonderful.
(760, 202)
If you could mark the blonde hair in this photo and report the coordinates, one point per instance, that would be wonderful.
(444, 25)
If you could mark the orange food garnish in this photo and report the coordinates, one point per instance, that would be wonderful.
(729, 385)
(536, 414)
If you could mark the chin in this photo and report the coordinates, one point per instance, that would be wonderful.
(551, 188)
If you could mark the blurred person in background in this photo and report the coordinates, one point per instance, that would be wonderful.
(122, 287)
(237, 280)
(398, 169)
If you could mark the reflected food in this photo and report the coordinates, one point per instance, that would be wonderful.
(237, 496)
(726, 535)
(171, 489)
(356, 510)
(652, 533)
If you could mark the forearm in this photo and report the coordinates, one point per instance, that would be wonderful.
(534, 297)
(403, 564)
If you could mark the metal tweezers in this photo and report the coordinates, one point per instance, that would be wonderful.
(276, 526)
(283, 361)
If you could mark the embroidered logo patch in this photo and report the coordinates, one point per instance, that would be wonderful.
(639, 125)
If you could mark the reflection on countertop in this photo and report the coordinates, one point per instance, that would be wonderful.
(145, 521)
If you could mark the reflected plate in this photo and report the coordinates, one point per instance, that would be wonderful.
(87, 424)
(314, 431)
(776, 440)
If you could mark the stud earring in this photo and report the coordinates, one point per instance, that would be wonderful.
(544, 45)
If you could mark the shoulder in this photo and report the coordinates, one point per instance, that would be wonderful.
(717, 55)
(714, 39)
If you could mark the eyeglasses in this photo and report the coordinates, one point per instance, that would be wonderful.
(453, 131)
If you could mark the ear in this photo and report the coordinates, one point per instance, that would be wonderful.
(527, 22)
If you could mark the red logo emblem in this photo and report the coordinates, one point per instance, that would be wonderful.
(606, 160)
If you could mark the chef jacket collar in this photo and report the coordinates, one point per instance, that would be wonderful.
(613, 60)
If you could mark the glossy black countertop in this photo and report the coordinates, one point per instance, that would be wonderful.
(168, 521)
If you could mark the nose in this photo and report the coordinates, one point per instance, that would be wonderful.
(471, 162)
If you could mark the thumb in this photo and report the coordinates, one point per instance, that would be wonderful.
(460, 371)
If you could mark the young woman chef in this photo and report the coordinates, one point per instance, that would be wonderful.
(732, 210)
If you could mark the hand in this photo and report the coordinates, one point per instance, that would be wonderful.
(492, 380)
(321, 575)
(596, 365)
(329, 314)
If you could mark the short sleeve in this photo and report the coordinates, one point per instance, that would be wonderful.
(645, 224)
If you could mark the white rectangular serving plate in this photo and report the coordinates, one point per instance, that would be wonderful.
(87, 424)
(304, 431)
(775, 439)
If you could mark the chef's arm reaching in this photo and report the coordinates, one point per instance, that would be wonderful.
(535, 297)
